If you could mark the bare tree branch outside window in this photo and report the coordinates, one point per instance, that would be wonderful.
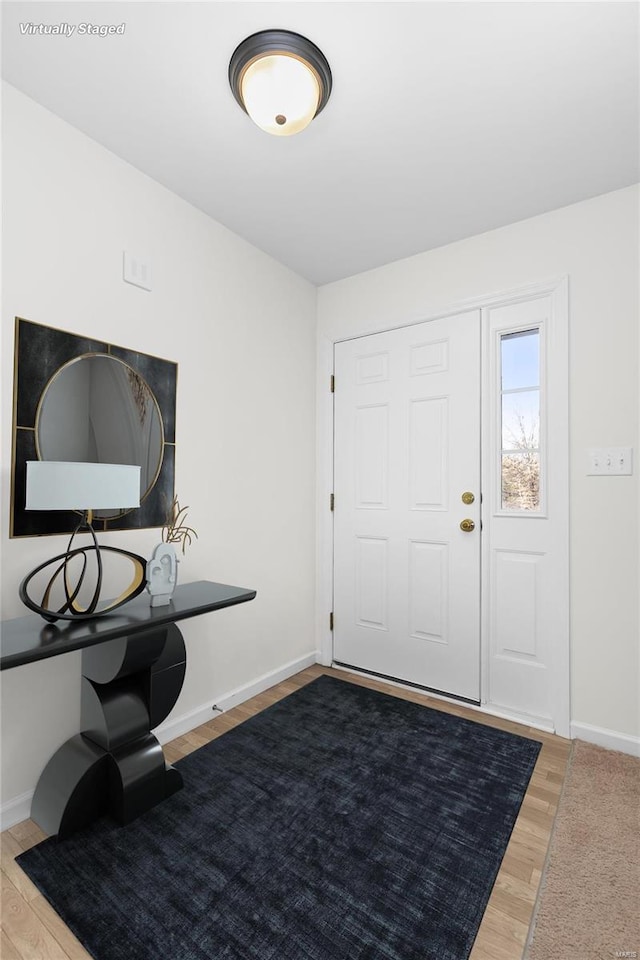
(521, 465)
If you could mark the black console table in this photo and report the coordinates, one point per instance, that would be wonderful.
(133, 666)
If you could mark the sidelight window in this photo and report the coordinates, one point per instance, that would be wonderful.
(520, 406)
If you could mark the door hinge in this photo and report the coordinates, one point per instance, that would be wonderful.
(331, 620)
(333, 384)
(332, 502)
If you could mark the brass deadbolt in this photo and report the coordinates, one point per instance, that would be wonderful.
(468, 497)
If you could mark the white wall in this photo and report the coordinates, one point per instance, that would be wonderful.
(596, 244)
(242, 329)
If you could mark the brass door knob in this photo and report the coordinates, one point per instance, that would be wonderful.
(467, 526)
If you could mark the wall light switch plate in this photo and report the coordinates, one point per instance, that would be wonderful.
(610, 462)
(137, 271)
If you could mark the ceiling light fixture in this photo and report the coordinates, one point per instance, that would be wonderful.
(281, 79)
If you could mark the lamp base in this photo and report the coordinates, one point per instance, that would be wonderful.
(70, 609)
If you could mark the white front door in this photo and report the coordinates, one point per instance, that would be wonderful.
(407, 448)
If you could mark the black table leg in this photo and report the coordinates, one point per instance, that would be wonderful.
(116, 766)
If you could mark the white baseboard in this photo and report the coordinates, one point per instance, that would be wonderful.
(610, 739)
(19, 809)
(16, 810)
(178, 726)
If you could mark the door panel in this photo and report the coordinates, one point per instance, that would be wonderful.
(527, 564)
(407, 445)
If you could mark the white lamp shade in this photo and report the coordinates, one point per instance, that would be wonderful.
(280, 93)
(59, 485)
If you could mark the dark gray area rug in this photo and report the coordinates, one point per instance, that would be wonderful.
(338, 824)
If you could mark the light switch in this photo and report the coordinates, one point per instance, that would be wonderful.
(610, 462)
(137, 271)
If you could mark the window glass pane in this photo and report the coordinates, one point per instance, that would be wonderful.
(521, 420)
(521, 481)
(520, 359)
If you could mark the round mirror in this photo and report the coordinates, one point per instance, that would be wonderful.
(98, 409)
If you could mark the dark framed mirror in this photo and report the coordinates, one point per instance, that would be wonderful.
(87, 400)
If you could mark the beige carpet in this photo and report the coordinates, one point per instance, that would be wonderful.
(589, 908)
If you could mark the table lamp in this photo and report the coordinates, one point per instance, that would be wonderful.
(60, 485)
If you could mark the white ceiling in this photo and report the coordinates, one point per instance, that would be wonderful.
(446, 118)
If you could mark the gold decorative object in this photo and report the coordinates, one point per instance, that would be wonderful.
(175, 529)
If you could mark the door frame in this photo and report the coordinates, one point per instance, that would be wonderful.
(557, 289)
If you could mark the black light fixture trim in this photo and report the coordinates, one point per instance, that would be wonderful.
(269, 42)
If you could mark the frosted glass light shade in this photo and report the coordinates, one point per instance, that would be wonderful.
(280, 93)
(58, 485)
(281, 79)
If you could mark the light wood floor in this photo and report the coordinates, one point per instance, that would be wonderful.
(31, 930)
